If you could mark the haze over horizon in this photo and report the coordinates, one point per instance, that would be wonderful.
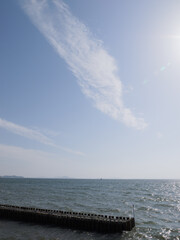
(90, 90)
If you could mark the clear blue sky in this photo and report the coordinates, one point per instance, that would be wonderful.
(90, 89)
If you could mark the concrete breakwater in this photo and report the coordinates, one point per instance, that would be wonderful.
(73, 220)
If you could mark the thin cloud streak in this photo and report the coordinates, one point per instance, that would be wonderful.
(19, 153)
(86, 57)
(29, 162)
(33, 135)
(35, 163)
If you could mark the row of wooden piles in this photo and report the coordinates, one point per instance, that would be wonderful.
(73, 220)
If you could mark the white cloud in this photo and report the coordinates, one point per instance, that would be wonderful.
(29, 162)
(86, 57)
(33, 135)
(19, 153)
(25, 132)
(35, 163)
(159, 135)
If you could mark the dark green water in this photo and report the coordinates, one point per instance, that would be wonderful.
(157, 206)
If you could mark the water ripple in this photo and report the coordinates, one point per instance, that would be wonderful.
(157, 206)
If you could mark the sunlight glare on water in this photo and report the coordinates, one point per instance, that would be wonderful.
(157, 206)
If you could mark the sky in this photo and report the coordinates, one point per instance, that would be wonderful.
(90, 89)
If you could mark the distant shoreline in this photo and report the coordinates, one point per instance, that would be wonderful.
(71, 178)
(11, 177)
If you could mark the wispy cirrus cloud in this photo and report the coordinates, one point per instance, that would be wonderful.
(29, 162)
(16, 153)
(86, 57)
(159, 135)
(33, 135)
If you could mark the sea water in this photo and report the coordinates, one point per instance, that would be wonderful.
(157, 206)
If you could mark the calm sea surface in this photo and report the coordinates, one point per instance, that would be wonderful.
(157, 206)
